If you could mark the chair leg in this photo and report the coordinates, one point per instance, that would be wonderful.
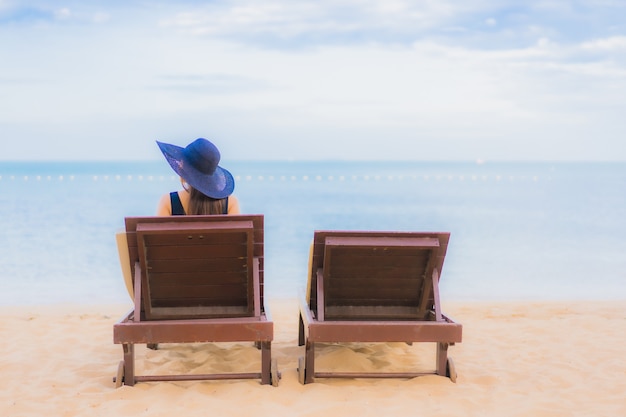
(266, 362)
(309, 357)
(442, 358)
(129, 363)
(300, 331)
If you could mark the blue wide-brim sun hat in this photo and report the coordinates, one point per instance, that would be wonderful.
(197, 164)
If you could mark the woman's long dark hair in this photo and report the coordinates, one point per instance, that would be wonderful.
(201, 204)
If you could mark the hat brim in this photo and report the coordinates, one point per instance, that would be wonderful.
(218, 185)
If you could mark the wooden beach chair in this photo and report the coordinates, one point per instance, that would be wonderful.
(196, 279)
(375, 287)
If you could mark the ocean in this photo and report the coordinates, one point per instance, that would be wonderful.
(519, 231)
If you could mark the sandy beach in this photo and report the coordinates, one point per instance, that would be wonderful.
(516, 359)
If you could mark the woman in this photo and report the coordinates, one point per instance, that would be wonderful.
(207, 187)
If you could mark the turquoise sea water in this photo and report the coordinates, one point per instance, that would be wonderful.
(518, 230)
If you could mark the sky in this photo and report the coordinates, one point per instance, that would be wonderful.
(326, 79)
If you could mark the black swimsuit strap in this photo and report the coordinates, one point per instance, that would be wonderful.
(177, 205)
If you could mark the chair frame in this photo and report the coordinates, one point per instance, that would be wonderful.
(145, 324)
(423, 322)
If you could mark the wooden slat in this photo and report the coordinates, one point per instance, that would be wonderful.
(377, 312)
(360, 263)
(256, 219)
(343, 274)
(382, 241)
(385, 331)
(370, 298)
(199, 278)
(186, 305)
(198, 266)
(173, 225)
(190, 331)
(204, 239)
(369, 293)
(194, 292)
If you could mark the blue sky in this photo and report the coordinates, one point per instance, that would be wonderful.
(336, 79)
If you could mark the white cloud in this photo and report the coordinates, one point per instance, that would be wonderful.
(63, 13)
(101, 17)
(317, 20)
(5, 4)
(613, 43)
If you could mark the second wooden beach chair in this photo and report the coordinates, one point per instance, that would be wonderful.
(375, 287)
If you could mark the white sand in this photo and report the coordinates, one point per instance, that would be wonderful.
(516, 359)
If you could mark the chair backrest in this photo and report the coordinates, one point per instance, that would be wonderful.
(198, 266)
(360, 275)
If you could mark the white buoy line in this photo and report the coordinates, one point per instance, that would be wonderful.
(292, 178)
